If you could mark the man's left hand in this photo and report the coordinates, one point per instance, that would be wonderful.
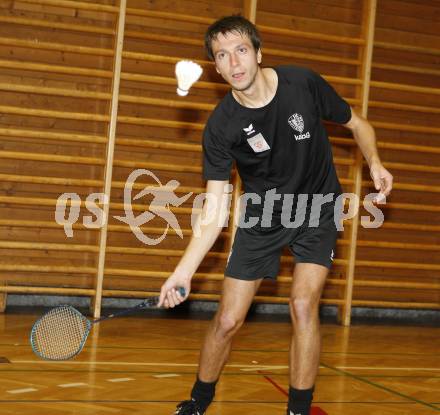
(383, 180)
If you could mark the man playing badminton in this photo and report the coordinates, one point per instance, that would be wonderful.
(270, 124)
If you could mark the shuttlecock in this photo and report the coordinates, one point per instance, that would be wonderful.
(187, 72)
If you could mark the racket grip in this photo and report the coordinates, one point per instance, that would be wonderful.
(181, 290)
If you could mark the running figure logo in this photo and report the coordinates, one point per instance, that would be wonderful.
(164, 197)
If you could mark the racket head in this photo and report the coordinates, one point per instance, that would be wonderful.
(60, 334)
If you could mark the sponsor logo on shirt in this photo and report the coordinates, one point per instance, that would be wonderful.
(296, 121)
(249, 130)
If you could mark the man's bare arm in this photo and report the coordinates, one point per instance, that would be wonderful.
(198, 246)
(365, 137)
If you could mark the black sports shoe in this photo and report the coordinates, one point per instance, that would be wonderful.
(188, 408)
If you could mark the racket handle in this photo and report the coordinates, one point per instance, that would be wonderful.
(181, 291)
(149, 302)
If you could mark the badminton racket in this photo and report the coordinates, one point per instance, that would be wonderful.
(60, 334)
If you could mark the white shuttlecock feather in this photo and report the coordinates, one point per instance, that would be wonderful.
(187, 72)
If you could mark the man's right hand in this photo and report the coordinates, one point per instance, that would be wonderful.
(169, 293)
(200, 243)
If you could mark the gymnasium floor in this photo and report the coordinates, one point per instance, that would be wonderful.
(145, 364)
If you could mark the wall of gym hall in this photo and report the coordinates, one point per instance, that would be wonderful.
(88, 96)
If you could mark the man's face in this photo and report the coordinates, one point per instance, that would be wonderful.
(236, 59)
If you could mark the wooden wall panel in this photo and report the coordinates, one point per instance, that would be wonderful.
(153, 44)
(404, 255)
(55, 78)
(56, 73)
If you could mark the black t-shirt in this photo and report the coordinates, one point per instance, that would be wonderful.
(282, 145)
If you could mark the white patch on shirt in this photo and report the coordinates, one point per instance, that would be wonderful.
(258, 143)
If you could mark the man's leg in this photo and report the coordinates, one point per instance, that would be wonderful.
(236, 299)
(305, 348)
(234, 304)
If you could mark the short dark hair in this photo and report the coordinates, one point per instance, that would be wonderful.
(234, 23)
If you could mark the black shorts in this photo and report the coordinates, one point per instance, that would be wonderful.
(256, 251)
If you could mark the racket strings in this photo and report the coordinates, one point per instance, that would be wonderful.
(60, 333)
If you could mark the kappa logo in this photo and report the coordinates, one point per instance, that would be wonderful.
(296, 121)
(249, 130)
